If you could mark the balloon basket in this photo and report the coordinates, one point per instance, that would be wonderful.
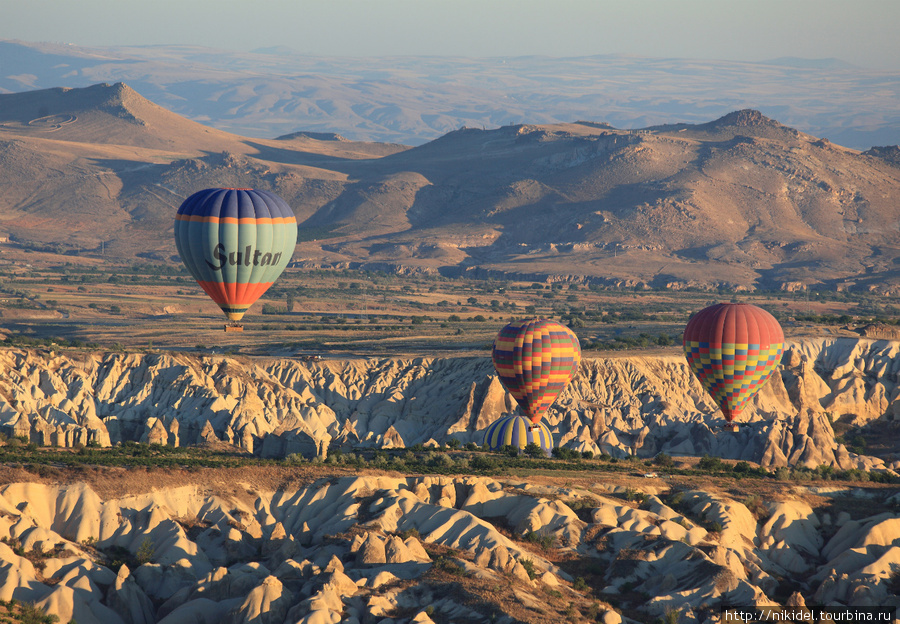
(234, 327)
(732, 427)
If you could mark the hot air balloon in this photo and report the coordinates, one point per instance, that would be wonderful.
(733, 349)
(235, 242)
(535, 359)
(518, 431)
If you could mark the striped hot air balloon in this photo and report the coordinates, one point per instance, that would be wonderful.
(733, 349)
(518, 431)
(235, 242)
(535, 360)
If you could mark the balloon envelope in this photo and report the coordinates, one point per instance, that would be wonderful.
(235, 242)
(534, 360)
(733, 349)
(518, 431)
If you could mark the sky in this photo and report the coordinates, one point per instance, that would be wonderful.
(862, 32)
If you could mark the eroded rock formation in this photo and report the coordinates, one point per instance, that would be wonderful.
(345, 549)
(625, 405)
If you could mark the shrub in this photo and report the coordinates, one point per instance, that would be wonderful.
(893, 583)
(710, 463)
(546, 541)
(561, 452)
(782, 474)
(756, 506)
(449, 566)
(529, 568)
(671, 616)
(441, 460)
(145, 552)
(30, 614)
(484, 463)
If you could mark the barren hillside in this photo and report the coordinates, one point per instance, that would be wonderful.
(739, 202)
(415, 99)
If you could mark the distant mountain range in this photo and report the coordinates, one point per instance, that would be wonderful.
(411, 100)
(739, 202)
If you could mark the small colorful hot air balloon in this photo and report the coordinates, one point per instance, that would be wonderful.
(733, 349)
(518, 431)
(535, 360)
(235, 242)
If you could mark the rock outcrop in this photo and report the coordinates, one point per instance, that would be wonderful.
(624, 405)
(347, 549)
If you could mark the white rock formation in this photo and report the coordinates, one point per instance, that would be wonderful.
(620, 405)
(657, 549)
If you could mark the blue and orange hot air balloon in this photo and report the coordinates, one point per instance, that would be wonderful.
(535, 359)
(733, 349)
(235, 242)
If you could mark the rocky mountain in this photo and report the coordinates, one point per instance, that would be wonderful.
(621, 406)
(413, 100)
(739, 202)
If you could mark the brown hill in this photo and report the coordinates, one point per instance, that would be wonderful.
(742, 201)
(104, 114)
(414, 99)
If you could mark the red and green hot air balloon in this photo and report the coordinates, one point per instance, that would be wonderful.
(535, 360)
(733, 349)
(235, 242)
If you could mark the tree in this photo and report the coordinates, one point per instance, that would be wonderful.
(146, 551)
(662, 459)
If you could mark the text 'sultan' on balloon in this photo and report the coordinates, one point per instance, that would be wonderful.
(235, 242)
(535, 360)
(733, 349)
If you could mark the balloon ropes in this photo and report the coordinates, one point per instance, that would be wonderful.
(518, 431)
(235, 243)
(733, 349)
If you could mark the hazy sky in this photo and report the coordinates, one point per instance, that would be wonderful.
(863, 32)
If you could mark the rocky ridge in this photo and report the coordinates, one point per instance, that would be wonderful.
(743, 202)
(623, 405)
(365, 548)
